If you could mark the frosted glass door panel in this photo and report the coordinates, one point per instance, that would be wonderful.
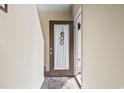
(61, 47)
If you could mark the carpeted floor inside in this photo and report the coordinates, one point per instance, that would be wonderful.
(60, 83)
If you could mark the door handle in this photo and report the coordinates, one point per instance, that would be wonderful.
(51, 52)
(51, 49)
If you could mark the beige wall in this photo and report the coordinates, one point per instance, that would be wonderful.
(45, 17)
(103, 45)
(21, 48)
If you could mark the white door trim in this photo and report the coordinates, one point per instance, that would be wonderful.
(75, 18)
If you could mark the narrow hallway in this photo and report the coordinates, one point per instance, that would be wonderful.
(60, 63)
(60, 83)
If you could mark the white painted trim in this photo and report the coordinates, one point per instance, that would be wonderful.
(77, 14)
(75, 19)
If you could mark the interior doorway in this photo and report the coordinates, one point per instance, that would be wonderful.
(61, 51)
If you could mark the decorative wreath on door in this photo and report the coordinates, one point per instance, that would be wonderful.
(61, 38)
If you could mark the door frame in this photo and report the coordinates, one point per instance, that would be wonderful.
(75, 42)
(62, 73)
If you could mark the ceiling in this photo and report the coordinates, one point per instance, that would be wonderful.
(54, 7)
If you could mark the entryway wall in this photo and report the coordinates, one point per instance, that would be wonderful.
(21, 48)
(45, 17)
(103, 30)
